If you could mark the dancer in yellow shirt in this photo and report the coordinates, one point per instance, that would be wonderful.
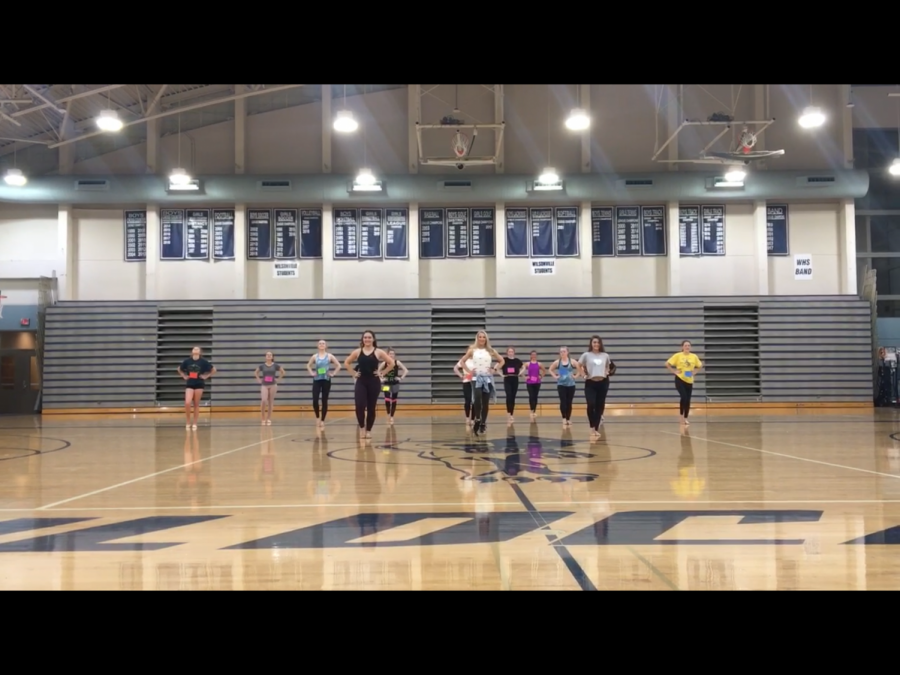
(684, 365)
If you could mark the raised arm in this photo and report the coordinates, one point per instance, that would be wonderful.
(354, 355)
(337, 364)
(553, 367)
(383, 356)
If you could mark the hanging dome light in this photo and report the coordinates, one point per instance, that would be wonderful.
(578, 120)
(365, 177)
(15, 178)
(812, 117)
(109, 121)
(735, 175)
(345, 122)
(895, 167)
(179, 177)
(549, 176)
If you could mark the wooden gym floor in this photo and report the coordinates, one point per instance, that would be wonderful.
(753, 499)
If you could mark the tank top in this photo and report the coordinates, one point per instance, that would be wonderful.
(565, 374)
(322, 364)
(481, 362)
(366, 364)
(534, 373)
(390, 377)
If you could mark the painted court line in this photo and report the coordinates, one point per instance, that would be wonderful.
(160, 473)
(640, 502)
(781, 454)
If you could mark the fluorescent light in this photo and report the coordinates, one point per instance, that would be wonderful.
(193, 185)
(812, 117)
(109, 121)
(736, 176)
(895, 167)
(15, 177)
(179, 177)
(719, 183)
(345, 122)
(578, 120)
(358, 187)
(549, 176)
(365, 177)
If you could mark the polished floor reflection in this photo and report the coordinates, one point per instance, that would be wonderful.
(734, 502)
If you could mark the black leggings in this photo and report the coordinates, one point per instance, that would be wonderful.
(390, 400)
(566, 396)
(511, 387)
(684, 391)
(366, 394)
(467, 395)
(533, 391)
(321, 388)
(480, 405)
(595, 393)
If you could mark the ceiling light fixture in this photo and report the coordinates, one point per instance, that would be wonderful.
(895, 167)
(365, 177)
(15, 178)
(109, 121)
(549, 176)
(179, 177)
(736, 175)
(812, 117)
(578, 120)
(345, 122)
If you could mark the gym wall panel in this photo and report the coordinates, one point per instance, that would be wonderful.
(24, 234)
(812, 229)
(262, 284)
(630, 277)
(100, 355)
(815, 349)
(100, 272)
(734, 273)
(103, 354)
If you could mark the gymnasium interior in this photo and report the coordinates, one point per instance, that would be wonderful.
(756, 222)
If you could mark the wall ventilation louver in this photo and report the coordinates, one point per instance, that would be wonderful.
(92, 185)
(630, 183)
(274, 185)
(456, 185)
(816, 181)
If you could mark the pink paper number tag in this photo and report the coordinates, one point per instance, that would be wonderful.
(269, 378)
(510, 370)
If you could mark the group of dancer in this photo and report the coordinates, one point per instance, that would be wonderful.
(378, 371)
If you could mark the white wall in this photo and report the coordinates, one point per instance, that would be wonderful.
(33, 242)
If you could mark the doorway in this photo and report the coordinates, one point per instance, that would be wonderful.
(20, 381)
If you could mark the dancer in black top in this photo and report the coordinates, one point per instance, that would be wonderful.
(512, 368)
(195, 371)
(390, 384)
(368, 359)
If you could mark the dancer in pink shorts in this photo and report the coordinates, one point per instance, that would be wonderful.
(268, 375)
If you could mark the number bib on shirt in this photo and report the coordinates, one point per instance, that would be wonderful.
(323, 370)
(689, 373)
(386, 387)
(511, 371)
(194, 376)
(269, 378)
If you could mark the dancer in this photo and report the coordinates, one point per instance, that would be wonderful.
(268, 375)
(464, 372)
(684, 365)
(319, 367)
(390, 381)
(195, 371)
(483, 392)
(512, 369)
(595, 366)
(534, 373)
(564, 371)
(367, 358)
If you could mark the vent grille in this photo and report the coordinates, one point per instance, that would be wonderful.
(455, 185)
(274, 185)
(635, 183)
(91, 185)
(816, 181)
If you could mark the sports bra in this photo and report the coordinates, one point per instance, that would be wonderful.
(366, 364)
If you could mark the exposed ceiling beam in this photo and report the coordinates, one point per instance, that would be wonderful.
(66, 99)
(50, 104)
(176, 111)
(162, 90)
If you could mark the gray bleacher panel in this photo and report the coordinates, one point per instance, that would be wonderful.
(792, 349)
(100, 354)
